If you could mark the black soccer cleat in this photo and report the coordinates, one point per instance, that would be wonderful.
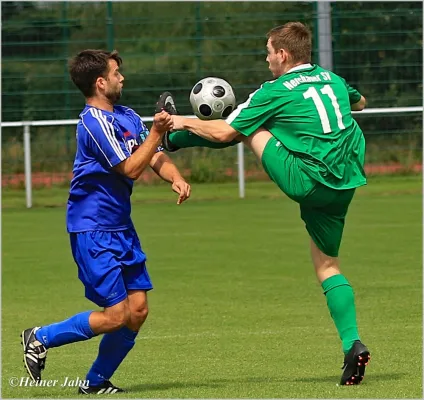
(354, 364)
(105, 388)
(35, 353)
(166, 102)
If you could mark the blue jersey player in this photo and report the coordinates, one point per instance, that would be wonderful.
(113, 148)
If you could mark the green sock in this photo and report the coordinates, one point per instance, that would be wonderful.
(341, 303)
(184, 139)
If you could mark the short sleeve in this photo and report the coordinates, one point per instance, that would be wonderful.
(253, 113)
(104, 140)
(354, 95)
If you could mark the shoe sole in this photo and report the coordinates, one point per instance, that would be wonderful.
(25, 361)
(362, 360)
(109, 390)
(82, 392)
(160, 105)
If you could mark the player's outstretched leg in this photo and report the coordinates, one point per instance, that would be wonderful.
(173, 141)
(35, 353)
(36, 341)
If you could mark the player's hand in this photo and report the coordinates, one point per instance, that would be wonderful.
(177, 121)
(162, 122)
(183, 189)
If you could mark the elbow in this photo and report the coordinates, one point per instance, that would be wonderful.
(224, 137)
(228, 138)
(360, 105)
(133, 175)
(357, 107)
(129, 169)
(130, 175)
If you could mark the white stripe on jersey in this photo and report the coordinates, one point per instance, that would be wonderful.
(240, 107)
(95, 141)
(108, 130)
(104, 118)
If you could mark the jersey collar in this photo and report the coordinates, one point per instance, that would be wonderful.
(299, 68)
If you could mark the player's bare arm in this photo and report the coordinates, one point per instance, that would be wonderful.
(134, 165)
(215, 131)
(360, 105)
(167, 170)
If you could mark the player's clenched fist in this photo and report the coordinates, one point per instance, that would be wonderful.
(162, 122)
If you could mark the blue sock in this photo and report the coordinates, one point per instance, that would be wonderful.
(112, 350)
(74, 329)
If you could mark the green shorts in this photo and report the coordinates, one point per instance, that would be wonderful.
(323, 209)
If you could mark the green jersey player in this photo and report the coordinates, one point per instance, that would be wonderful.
(300, 127)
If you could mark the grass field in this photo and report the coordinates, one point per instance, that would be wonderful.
(236, 311)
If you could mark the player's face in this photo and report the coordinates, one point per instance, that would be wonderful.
(114, 82)
(275, 60)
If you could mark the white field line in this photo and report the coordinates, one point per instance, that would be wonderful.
(222, 334)
(283, 229)
(210, 334)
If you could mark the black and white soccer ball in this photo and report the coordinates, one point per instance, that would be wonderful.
(212, 98)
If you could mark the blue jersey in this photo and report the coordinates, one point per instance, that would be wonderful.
(99, 197)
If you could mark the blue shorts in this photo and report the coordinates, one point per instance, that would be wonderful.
(110, 264)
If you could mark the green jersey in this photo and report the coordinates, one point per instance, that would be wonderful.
(308, 111)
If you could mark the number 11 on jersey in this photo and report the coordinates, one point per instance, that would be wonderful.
(312, 93)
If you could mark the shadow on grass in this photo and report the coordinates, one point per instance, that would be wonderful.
(368, 378)
(212, 383)
(216, 383)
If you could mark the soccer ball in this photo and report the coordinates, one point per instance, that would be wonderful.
(212, 98)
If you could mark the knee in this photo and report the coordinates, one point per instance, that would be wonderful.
(139, 314)
(118, 319)
(325, 266)
(327, 263)
(326, 270)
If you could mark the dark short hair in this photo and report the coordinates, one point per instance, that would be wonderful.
(88, 65)
(295, 38)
